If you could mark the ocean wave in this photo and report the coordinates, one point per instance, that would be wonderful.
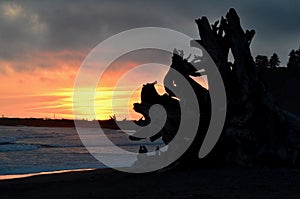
(60, 145)
(141, 143)
(17, 147)
(14, 138)
(10, 146)
(7, 140)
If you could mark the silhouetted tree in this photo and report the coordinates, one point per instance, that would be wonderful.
(261, 61)
(294, 60)
(274, 61)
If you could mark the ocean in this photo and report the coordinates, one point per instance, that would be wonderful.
(27, 150)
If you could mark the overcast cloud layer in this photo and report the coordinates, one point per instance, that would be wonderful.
(33, 26)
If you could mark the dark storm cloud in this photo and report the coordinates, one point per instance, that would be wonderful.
(28, 26)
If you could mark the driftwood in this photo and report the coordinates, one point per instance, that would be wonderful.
(261, 133)
(256, 132)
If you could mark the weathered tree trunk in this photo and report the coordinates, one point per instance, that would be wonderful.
(258, 129)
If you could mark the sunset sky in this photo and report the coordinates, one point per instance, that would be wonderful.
(42, 45)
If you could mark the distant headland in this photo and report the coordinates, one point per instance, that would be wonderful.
(42, 122)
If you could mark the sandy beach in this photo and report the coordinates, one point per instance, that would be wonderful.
(197, 183)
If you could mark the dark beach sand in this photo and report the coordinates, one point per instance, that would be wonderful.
(197, 183)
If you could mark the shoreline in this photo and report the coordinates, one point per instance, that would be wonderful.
(189, 183)
(26, 175)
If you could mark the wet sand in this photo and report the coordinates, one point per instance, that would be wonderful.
(197, 183)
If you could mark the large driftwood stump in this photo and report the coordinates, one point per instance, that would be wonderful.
(257, 132)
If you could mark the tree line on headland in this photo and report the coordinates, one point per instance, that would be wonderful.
(293, 65)
(282, 80)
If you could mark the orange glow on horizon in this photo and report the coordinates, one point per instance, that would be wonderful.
(44, 92)
(41, 86)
